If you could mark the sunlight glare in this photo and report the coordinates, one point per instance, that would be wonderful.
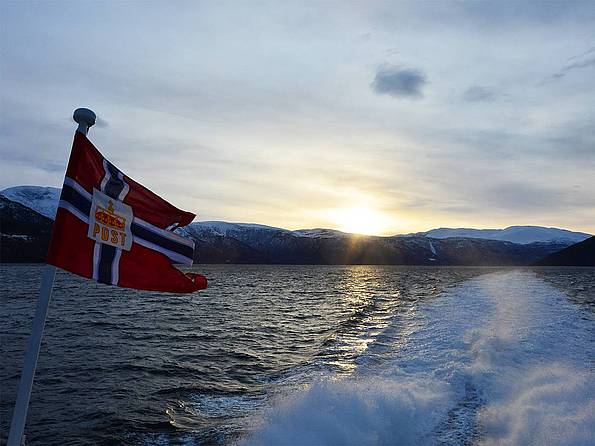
(361, 220)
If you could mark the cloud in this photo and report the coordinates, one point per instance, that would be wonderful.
(527, 195)
(236, 107)
(586, 63)
(24, 160)
(399, 82)
(584, 54)
(479, 94)
(584, 60)
(101, 123)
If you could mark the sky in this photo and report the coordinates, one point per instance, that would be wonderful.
(366, 116)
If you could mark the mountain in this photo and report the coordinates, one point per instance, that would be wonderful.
(514, 234)
(45, 201)
(580, 254)
(221, 242)
(27, 233)
(24, 233)
(41, 199)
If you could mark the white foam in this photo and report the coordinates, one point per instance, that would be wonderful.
(532, 366)
(548, 405)
(503, 359)
(355, 412)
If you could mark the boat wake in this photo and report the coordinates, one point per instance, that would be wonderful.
(504, 359)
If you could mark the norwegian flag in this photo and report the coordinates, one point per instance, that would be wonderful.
(114, 230)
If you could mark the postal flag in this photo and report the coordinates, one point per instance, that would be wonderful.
(111, 229)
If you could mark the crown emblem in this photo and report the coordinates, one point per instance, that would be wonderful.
(108, 217)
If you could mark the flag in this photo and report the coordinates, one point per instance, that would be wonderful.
(111, 229)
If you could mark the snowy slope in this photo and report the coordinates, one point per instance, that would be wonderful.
(229, 229)
(514, 234)
(41, 199)
(225, 228)
(319, 232)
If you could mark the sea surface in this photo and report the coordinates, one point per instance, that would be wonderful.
(309, 355)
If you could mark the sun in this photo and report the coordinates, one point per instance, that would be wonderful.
(360, 220)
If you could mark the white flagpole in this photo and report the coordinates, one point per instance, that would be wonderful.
(85, 119)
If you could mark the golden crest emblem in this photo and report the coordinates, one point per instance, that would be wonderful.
(108, 216)
(110, 221)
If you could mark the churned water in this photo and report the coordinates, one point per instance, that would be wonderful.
(310, 355)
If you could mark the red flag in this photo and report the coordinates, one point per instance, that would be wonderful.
(114, 230)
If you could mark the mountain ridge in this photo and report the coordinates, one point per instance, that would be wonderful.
(26, 233)
(516, 234)
(260, 244)
(225, 242)
(44, 200)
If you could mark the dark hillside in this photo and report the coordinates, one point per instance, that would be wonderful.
(580, 254)
(24, 233)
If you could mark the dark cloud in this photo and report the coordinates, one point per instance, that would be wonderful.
(479, 94)
(399, 82)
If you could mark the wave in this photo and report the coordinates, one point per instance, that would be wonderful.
(501, 359)
(355, 412)
(548, 405)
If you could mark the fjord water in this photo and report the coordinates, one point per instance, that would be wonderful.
(329, 355)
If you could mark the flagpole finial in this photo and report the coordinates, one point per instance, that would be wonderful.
(85, 118)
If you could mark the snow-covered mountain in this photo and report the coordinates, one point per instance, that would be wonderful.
(41, 199)
(230, 229)
(223, 242)
(45, 201)
(514, 234)
(225, 228)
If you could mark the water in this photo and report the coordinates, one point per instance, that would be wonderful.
(333, 355)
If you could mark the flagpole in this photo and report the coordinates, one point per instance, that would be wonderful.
(85, 119)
